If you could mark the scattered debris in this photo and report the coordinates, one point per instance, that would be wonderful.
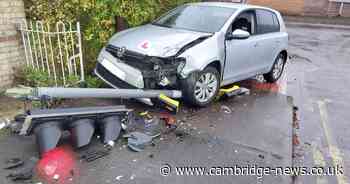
(226, 109)
(132, 177)
(26, 172)
(169, 119)
(245, 91)
(152, 127)
(146, 114)
(296, 56)
(119, 177)
(94, 155)
(110, 144)
(124, 126)
(13, 163)
(137, 141)
(56, 177)
(27, 175)
(261, 156)
(145, 123)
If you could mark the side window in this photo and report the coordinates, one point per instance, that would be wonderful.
(245, 21)
(267, 22)
(276, 23)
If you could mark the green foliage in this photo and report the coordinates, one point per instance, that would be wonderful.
(97, 17)
(93, 82)
(33, 77)
(29, 76)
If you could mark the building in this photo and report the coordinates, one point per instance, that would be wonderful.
(305, 7)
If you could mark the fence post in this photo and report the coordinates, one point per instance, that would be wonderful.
(80, 53)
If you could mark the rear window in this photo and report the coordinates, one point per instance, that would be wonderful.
(267, 22)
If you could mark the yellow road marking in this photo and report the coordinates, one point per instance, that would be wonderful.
(319, 162)
(332, 145)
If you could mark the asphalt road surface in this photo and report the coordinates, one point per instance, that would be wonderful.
(318, 80)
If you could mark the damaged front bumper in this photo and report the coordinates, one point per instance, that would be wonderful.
(134, 70)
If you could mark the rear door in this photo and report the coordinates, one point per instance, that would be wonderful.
(268, 39)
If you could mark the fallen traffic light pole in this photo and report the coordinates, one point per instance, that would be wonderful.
(48, 125)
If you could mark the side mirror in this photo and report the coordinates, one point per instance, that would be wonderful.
(238, 34)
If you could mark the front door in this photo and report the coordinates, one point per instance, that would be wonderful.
(240, 53)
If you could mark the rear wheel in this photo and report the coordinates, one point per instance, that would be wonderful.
(277, 69)
(201, 87)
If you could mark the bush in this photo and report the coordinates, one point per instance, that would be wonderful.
(32, 77)
(29, 76)
(97, 17)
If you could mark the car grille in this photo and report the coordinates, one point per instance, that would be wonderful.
(108, 76)
(131, 58)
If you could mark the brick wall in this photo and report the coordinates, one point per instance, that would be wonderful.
(11, 49)
(305, 7)
(289, 7)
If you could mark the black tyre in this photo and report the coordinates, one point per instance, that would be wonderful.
(200, 88)
(276, 70)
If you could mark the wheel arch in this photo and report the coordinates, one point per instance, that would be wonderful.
(285, 55)
(216, 64)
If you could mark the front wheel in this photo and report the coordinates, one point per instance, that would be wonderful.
(277, 69)
(200, 88)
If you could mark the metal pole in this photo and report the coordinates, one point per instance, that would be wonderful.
(24, 44)
(60, 53)
(80, 53)
(103, 93)
(34, 45)
(52, 55)
(39, 29)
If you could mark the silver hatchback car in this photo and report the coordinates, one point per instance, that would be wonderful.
(197, 48)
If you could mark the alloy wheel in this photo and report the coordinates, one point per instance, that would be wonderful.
(206, 87)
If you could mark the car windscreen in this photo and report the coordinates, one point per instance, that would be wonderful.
(207, 19)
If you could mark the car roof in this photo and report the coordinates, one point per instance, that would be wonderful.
(229, 5)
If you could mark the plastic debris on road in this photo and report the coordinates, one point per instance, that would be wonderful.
(226, 109)
(137, 141)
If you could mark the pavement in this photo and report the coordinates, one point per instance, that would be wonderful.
(299, 121)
